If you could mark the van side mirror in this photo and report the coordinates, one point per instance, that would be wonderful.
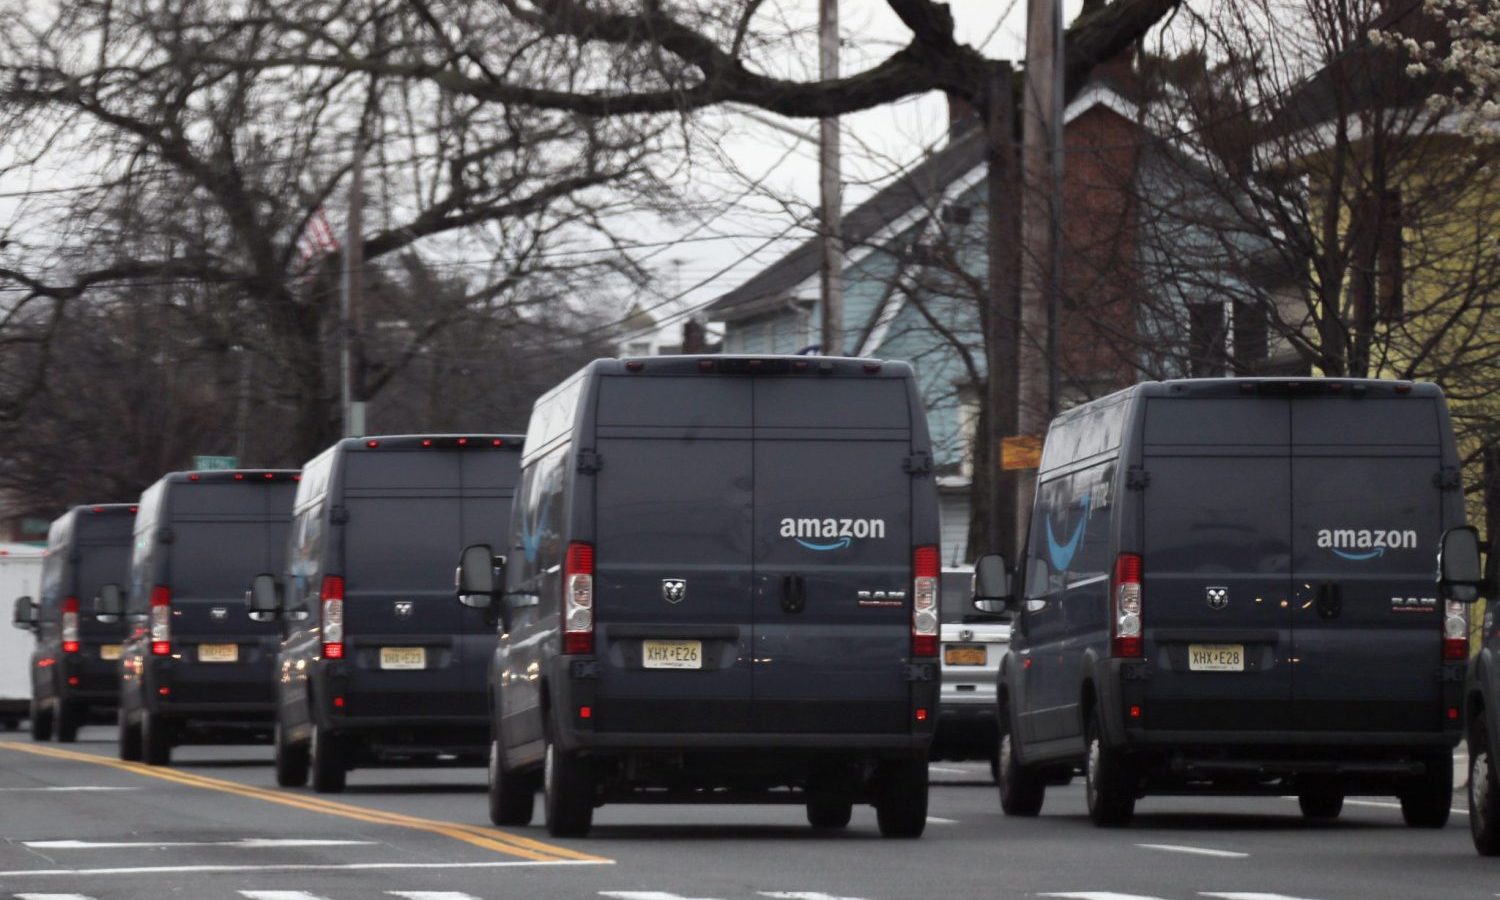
(1460, 574)
(992, 592)
(264, 597)
(475, 577)
(24, 616)
(109, 604)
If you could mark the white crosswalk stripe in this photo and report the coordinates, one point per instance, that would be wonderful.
(1246, 895)
(1100, 895)
(52, 897)
(803, 895)
(279, 895)
(1196, 851)
(647, 895)
(432, 895)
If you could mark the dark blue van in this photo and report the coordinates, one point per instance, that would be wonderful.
(1229, 587)
(720, 586)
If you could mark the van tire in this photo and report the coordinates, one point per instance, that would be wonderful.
(156, 743)
(1109, 783)
(41, 721)
(1428, 799)
(829, 810)
(326, 760)
(69, 720)
(292, 760)
(512, 794)
(1321, 800)
(1022, 789)
(1484, 791)
(567, 793)
(130, 738)
(901, 798)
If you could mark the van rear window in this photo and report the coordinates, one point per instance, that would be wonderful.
(218, 559)
(413, 543)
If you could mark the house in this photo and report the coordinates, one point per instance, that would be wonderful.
(915, 281)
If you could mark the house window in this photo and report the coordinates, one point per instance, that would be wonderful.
(1206, 340)
(1251, 336)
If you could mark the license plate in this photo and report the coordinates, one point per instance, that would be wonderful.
(1216, 657)
(403, 657)
(110, 651)
(672, 654)
(218, 653)
(966, 655)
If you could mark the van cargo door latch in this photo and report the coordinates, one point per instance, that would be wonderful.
(793, 593)
(1447, 479)
(920, 672)
(589, 461)
(1137, 478)
(917, 464)
(584, 668)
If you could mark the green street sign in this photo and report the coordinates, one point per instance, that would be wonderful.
(211, 463)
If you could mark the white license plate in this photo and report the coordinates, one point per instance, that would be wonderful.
(403, 657)
(218, 653)
(110, 651)
(1216, 657)
(672, 654)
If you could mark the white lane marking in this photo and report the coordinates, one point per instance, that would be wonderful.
(246, 844)
(1386, 804)
(65, 788)
(645, 895)
(301, 867)
(938, 820)
(1099, 895)
(432, 895)
(52, 897)
(1196, 851)
(802, 895)
(279, 895)
(948, 770)
(1245, 895)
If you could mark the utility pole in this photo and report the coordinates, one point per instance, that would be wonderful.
(829, 187)
(1041, 146)
(352, 392)
(1003, 532)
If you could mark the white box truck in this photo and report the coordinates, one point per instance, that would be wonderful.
(20, 576)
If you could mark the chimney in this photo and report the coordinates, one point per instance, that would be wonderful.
(962, 117)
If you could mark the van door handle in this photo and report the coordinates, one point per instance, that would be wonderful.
(793, 593)
(1330, 600)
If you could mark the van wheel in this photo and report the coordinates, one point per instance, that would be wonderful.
(1321, 799)
(828, 810)
(901, 798)
(69, 720)
(326, 759)
(291, 759)
(41, 721)
(567, 793)
(512, 794)
(1108, 781)
(1484, 792)
(1428, 799)
(1022, 790)
(130, 738)
(156, 744)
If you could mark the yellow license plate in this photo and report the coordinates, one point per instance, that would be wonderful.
(1216, 657)
(110, 651)
(218, 653)
(403, 657)
(966, 655)
(672, 654)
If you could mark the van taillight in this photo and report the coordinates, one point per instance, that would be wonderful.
(1456, 632)
(925, 569)
(70, 625)
(578, 599)
(161, 620)
(332, 597)
(1127, 641)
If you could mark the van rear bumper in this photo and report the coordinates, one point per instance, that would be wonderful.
(880, 744)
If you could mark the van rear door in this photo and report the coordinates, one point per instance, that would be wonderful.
(672, 553)
(1366, 518)
(1216, 563)
(833, 555)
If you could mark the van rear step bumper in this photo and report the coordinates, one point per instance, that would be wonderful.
(1208, 768)
(894, 744)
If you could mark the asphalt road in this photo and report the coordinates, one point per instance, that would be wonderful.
(76, 823)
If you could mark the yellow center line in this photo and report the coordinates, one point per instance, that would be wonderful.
(479, 836)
